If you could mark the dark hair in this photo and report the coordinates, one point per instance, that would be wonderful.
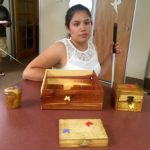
(1, 1)
(72, 10)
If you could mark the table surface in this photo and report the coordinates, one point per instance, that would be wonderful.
(30, 128)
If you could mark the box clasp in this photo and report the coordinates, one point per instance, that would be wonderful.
(84, 143)
(130, 100)
(67, 98)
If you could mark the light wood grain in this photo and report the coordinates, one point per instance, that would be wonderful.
(103, 33)
(80, 134)
(122, 92)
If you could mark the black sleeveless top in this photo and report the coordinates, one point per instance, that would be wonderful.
(4, 15)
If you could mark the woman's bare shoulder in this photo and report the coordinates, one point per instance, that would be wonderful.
(52, 55)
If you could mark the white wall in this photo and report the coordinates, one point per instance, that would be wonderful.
(51, 21)
(140, 41)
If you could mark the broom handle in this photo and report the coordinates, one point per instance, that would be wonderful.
(11, 56)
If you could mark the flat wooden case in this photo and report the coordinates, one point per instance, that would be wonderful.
(71, 89)
(82, 133)
(128, 97)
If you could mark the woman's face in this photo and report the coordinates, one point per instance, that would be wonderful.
(80, 27)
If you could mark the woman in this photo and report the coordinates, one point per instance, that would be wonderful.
(73, 53)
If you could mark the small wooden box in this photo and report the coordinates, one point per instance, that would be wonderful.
(128, 97)
(82, 133)
(71, 89)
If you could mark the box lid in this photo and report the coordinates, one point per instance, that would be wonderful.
(82, 132)
(128, 91)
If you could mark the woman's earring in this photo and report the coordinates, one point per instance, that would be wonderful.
(68, 35)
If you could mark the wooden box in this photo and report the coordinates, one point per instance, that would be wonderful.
(128, 97)
(82, 133)
(71, 89)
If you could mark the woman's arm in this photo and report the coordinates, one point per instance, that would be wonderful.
(53, 56)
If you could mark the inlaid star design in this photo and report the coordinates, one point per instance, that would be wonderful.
(115, 5)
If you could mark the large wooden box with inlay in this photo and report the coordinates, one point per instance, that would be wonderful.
(71, 89)
(128, 97)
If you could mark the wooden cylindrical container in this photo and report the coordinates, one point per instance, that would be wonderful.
(12, 97)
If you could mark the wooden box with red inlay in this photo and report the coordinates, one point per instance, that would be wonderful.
(82, 133)
(128, 97)
(71, 89)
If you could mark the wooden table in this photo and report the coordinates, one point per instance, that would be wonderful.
(30, 128)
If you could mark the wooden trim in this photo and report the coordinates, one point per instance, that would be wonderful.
(140, 82)
(147, 83)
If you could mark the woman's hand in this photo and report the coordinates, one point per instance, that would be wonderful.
(6, 23)
(117, 48)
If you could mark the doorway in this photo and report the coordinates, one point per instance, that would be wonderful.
(25, 28)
